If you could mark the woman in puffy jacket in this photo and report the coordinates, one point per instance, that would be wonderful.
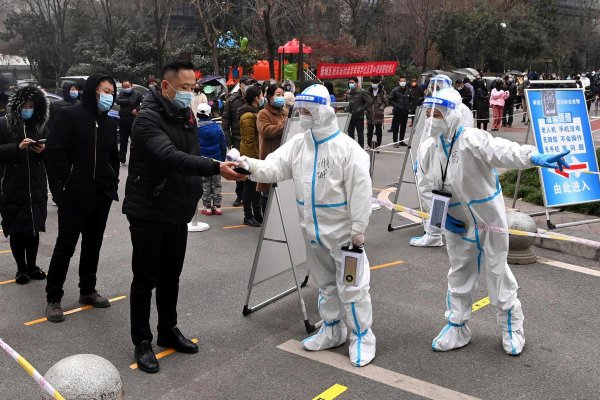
(249, 147)
(497, 99)
(24, 193)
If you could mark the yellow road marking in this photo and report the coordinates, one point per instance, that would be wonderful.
(390, 264)
(5, 251)
(235, 226)
(161, 355)
(332, 392)
(78, 309)
(478, 305)
(228, 193)
(5, 282)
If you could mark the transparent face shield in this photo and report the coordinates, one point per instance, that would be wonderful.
(311, 110)
(438, 83)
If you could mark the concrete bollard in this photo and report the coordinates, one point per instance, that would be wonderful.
(85, 377)
(519, 247)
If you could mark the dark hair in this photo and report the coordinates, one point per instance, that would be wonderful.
(466, 80)
(252, 92)
(271, 89)
(126, 80)
(175, 66)
(355, 79)
(329, 86)
(459, 81)
(376, 79)
(246, 80)
(402, 77)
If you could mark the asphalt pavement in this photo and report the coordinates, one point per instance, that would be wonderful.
(252, 357)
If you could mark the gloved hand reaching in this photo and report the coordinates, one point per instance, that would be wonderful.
(234, 155)
(553, 161)
(416, 166)
(455, 225)
(358, 240)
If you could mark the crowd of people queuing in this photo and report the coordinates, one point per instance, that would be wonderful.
(177, 157)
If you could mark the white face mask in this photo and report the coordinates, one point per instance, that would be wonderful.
(402, 84)
(435, 126)
(375, 86)
(306, 121)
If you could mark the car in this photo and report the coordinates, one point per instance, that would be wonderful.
(27, 82)
(52, 98)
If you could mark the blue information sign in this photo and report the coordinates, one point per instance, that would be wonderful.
(560, 121)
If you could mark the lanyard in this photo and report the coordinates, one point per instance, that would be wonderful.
(445, 170)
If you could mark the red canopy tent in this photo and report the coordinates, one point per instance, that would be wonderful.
(293, 47)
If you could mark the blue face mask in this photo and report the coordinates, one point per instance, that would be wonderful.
(182, 99)
(352, 86)
(74, 94)
(278, 102)
(261, 102)
(26, 113)
(105, 102)
(128, 90)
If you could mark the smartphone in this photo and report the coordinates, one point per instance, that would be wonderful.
(40, 141)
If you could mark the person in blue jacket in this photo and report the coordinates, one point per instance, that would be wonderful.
(213, 145)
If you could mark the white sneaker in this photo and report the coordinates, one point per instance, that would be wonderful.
(453, 336)
(331, 334)
(427, 240)
(513, 341)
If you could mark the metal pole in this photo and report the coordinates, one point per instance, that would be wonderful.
(518, 184)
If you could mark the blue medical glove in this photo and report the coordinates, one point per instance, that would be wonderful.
(416, 166)
(550, 160)
(454, 225)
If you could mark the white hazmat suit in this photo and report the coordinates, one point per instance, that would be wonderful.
(476, 200)
(333, 191)
(437, 83)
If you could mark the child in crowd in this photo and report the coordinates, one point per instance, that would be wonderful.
(212, 144)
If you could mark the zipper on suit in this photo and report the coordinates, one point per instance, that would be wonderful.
(95, 147)
(29, 181)
(68, 179)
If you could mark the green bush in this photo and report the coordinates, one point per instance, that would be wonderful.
(531, 190)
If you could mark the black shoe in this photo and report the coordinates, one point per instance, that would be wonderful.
(37, 273)
(145, 358)
(22, 278)
(237, 202)
(402, 144)
(251, 222)
(94, 300)
(504, 125)
(175, 340)
(390, 130)
(509, 126)
(396, 145)
(258, 218)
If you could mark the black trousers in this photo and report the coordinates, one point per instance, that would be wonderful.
(125, 125)
(239, 186)
(399, 122)
(252, 201)
(378, 134)
(24, 248)
(507, 113)
(91, 227)
(357, 125)
(157, 261)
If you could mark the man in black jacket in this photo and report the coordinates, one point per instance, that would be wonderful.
(129, 100)
(162, 192)
(401, 100)
(83, 153)
(359, 103)
(509, 104)
(231, 125)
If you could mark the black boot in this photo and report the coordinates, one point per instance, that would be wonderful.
(250, 221)
(144, 355)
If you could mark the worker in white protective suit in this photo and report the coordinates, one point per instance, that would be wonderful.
(462, 161)
(333, 191)
(437, 83)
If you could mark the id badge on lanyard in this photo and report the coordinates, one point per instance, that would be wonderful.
(440, 201)
(353, 260)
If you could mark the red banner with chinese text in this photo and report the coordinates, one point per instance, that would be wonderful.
(375, 68)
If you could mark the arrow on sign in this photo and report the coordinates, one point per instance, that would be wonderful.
(573, 167)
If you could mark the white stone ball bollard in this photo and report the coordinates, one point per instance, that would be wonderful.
(85, 377)
(519, 247)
